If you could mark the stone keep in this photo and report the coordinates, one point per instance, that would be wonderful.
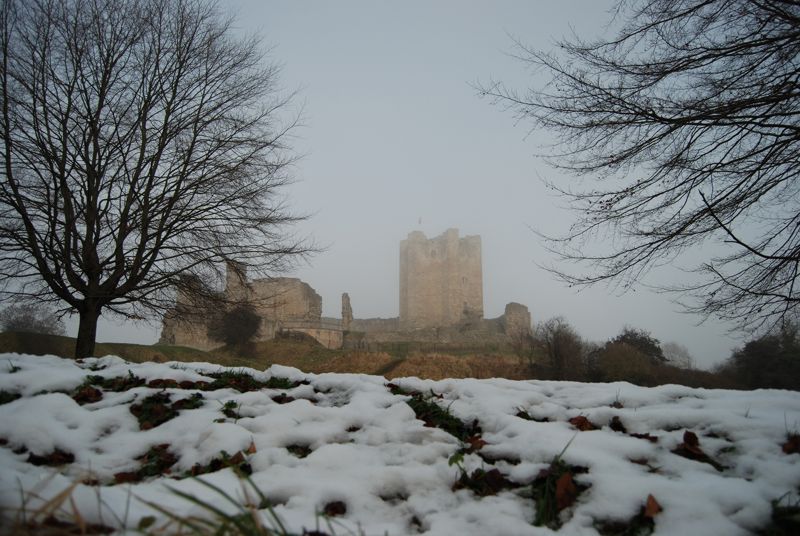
(441, 280)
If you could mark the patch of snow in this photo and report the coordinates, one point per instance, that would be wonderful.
(366, 448)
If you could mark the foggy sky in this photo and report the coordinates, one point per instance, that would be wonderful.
(396, 139)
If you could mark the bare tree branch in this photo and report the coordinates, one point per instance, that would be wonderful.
(685, 128)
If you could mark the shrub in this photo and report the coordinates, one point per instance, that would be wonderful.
(620, 361)
(236, 326)
(642, 341)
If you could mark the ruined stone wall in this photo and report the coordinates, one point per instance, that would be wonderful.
(517, 320)
(277, 301)
(185, 324)
(329, 338)
(441, 280)
(369, 325)
(441, 303)
(191, 333)
(285, 298)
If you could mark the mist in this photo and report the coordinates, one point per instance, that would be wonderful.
(395, 139)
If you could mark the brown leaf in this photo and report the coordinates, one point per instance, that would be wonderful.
(127, 476)
(652, 507)
(647, 437)
(566, 491)
(690, 449)
(792, 445)
(87, 395)
(617, 425)
(282, 398)
(237, 458)
(252, 448)
(582, 423)
(161, 383)
(335, 508)
(475, 443)
(57, 457)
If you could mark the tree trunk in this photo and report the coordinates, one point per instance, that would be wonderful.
(87, 330)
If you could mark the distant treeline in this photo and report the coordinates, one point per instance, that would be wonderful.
(556, 351)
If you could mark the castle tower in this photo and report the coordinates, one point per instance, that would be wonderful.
(441, 280)
(236, 282)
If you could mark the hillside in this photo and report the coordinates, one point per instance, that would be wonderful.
(105, 444)
(294, 351)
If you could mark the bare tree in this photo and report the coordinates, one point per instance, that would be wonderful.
(30, 318)
(562, 347)
(686, 123)
(527, 349)
(143, 147)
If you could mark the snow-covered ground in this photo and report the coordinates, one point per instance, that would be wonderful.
(358, 452)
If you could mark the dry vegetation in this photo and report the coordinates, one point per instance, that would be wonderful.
(770, 361)
(293, 351)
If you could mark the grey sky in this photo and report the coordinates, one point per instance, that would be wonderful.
(395, 135)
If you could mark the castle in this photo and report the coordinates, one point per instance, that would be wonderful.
(441, 302)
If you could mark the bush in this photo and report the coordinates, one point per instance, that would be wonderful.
(31, 318)
(642, 341)
(236, 326)
(620, 361)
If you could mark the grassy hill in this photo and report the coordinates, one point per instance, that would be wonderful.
(295, 351)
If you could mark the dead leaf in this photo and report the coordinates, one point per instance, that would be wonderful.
(475, 443)
(651, 508)
(690, 439)
(582, 423)
(127, 476)
(55, 458)
(566, 491)
(252, 448)
(690, 449)
(792, 445)
(617, 425)
(335, 508)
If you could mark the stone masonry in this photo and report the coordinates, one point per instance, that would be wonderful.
(441, 280)
(441, 301)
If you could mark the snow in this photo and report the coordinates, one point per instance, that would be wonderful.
(369, 450)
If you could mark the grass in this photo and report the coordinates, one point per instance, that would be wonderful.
(555, 490)
(299, 352)
(155, 462)
(237, 462)
(785, 517)
(60, 516)
(480, 481)
(41, 344)
(253, 518)
(432, 414)
(231, 409)
(8, 396)
(153, 411)
(117, 384)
